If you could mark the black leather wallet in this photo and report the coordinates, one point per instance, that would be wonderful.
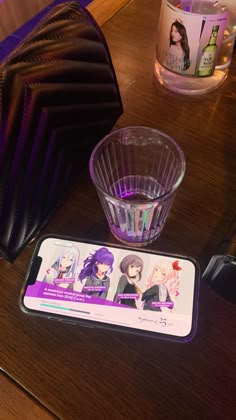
(59, 97)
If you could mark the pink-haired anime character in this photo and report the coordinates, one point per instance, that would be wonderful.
(162, 285)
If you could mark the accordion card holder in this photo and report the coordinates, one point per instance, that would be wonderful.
(58, 97)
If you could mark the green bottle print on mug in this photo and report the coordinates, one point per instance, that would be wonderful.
(207, 61)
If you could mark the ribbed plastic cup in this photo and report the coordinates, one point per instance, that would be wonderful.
(136, 172)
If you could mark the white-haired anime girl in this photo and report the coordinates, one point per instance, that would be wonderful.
(62, 271)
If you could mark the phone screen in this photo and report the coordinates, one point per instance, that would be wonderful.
(123, 287)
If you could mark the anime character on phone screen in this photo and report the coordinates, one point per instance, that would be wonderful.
(63, 269)
(128, 291)
(162, 286)
(96, 269)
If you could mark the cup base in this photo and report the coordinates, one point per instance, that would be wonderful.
(134, 244)
(189, 85)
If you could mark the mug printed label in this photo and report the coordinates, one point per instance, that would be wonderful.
(189, 43)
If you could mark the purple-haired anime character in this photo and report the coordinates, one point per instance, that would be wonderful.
(62, 271)
(95, 270)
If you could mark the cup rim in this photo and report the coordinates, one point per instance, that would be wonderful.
(152, 200)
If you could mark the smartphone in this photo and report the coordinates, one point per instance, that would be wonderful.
(103, 285)
(220, 275)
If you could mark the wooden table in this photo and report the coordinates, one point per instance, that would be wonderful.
(82, 373)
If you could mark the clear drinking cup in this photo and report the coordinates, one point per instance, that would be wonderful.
(136, 172)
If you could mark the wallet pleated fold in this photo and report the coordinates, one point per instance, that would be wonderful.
(59, 97)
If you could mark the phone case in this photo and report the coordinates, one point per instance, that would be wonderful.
(31, 274)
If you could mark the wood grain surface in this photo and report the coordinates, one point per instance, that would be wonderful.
(13, 16)
(83, 373)
(16, 403)
(103, 10)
